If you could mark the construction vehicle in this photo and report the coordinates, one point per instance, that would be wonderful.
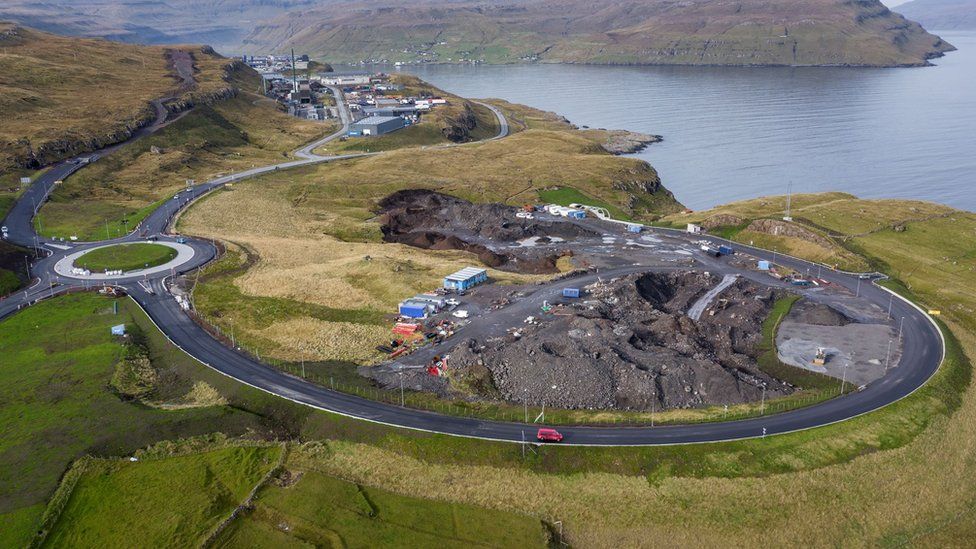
(821, 357)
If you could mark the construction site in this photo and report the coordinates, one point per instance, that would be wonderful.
(643, 319)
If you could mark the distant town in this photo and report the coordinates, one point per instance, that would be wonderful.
(377, 105)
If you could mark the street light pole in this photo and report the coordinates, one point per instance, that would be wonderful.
(900, 328)
(858, 292)
(891, 300)
(888, 355)
(401, 387)
(762, 402)
(843, 380)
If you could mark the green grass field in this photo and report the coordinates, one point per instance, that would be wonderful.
(58, 359)
(126, 257)
(176, 501)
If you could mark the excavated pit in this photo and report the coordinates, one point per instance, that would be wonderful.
(630, 345)
(430, 220)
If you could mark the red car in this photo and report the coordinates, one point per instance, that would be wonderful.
(548, 435)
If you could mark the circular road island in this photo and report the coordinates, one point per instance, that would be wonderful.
(125, 257)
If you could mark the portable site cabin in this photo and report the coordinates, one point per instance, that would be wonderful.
(575, 214)
(415, 309)
(635, 228)
(465, 279)
(764, 265)
(694, 229)
(437, 301)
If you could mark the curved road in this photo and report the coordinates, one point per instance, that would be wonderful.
(923, 346)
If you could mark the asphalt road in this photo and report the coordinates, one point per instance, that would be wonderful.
(922, 343)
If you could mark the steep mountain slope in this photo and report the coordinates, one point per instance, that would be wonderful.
(941, 14)
(220, 23)
(721, 32)
(64, 96)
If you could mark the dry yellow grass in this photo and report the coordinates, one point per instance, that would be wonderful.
(304, 338)
(300, 262)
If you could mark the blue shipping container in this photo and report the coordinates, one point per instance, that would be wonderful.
(571, 292)
(635, 228)
(764, 265)
(413, 311)
(725, 250)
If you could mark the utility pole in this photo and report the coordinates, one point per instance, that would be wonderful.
(303, 363)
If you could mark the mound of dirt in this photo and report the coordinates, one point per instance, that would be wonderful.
(818, 314)
(629, 344)
(431, 220)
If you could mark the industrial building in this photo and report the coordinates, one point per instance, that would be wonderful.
(377, 125)
(465, 279)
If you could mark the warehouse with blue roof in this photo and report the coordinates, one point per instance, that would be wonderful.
(465, 279)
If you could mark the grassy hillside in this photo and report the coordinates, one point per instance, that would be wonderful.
(59, 403)
(180, 500)
(224, 137)
(308, 291)
(63, 96)
(176, 500)
(750, 32)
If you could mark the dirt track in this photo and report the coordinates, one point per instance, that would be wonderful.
(181, 62)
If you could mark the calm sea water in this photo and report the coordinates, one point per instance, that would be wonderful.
(734, 133)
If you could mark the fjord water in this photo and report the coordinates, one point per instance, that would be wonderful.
(732, 133)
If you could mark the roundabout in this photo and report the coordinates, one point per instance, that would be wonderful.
(121, 261)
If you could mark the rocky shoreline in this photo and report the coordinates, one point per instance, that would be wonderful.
(627, 142)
